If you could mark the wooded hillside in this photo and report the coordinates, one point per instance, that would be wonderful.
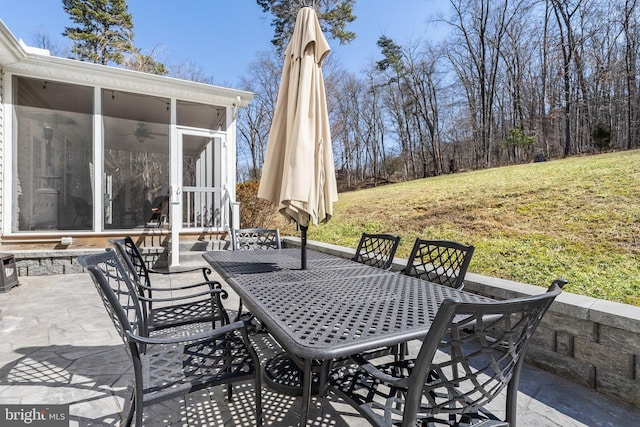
(513, 81)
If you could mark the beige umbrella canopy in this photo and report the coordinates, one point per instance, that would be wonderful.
(298, 173)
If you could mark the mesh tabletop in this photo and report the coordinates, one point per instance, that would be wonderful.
(297, 276)
(325, 319)
(234, 263)
(332, 310)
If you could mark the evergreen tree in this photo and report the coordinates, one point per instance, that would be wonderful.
(138, 61)
(104, 33)
(334, 15)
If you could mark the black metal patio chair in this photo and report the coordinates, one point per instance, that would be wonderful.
(195, 303)
(143, 269)
(439, 261)
(159, 214)
(84, 212)
(470, 354)
(170, 367)
(248, 239)
(377, 250)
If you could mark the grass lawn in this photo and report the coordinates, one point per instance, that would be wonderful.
(577, 218)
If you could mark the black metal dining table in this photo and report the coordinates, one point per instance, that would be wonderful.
(334, 308)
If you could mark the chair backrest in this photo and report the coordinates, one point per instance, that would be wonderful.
(439, 261)
(159, 201)
(248, 239)
(81, 206)
(117, 292)
(485, 345)
(377, 250)
(135, 267)
(129, 251)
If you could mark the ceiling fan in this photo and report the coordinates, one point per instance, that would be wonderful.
(142, 133)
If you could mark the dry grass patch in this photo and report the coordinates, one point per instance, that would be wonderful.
(578, 218)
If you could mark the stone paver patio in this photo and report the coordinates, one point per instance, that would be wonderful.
(58, 346)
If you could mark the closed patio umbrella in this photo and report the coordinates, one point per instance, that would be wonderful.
(298, 173)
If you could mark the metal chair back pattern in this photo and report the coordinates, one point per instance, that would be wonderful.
(377, 250)
(131, 257)
(248, 239)
(203, 303)
(117, 293)
(439, 261)
(168, 367)
(471, 353)
(84, 211)
(129, 248)
(157, 216)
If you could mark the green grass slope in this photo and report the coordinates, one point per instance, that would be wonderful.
(577, 218)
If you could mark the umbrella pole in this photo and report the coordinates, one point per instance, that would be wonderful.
(303, 247)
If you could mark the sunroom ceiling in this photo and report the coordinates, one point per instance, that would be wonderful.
(142, 118)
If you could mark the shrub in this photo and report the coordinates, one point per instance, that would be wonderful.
(254, 211)
(601, 135)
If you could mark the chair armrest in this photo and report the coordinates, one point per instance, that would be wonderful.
(211, 292)
(205, 271)
(366, 366)
(211, 284)
(214, 333)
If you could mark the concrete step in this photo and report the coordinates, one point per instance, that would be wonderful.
(204, 245)
(191, 251)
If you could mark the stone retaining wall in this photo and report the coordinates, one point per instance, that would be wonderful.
(587, 340)
(45, 262)
(590, 341)
(48, 262)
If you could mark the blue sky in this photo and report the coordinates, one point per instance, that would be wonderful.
(223, 36)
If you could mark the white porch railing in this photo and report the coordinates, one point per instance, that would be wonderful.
(208, 208)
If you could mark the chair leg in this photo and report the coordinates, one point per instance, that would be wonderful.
(512, 395)
(239, 309)
(401, 351)
(132, 410)
(137, 403)
(139, 417)
(229, 387)
(258, 394)
(257, 379)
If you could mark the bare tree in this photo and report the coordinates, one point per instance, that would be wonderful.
(479, 27)
(42, 40)
(254, 122)
(519, 86)
(190, 70)
(514, 81)
(630, 29)
(564, 11)
(423, 85)
(345, 132)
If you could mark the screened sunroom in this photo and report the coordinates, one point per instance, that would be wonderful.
(90, 150)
